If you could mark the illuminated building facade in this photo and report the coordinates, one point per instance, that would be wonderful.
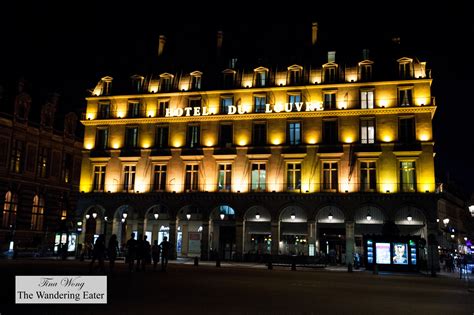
(294, 159)
(39, 175)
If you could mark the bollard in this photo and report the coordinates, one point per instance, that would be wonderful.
(270, 265)
(349, 267)
(196, 261)
(293, 265)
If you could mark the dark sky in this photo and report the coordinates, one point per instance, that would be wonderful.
(67, 48)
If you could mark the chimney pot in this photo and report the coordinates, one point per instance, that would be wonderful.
(161, 44)
(314, 33)
(220, 38)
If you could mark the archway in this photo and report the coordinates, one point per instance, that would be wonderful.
(331, 232)
(257, 233)
(189, 231)
(157, 219)
(93, 224)
(369, 220)
(293, 231)
(124, 223)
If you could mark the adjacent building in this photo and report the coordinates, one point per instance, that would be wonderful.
(247, 160)
(39, 176)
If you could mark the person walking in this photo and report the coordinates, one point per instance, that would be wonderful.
(112, 251)
(155, 254)
(98, 253)
(146, 253)
(131, 251)
(165, 251)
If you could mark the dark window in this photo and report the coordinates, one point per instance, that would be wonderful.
(17, 156)
(162, 107)
(195, 82)
(4, 152)
(406, 130)
(225, 103)
(329, 74)
(44, 162)
(293, 134)
(329, 101)
(30, 158)
(195, 103)
(368, 181)
(260, 102)
(330, 132)
(101, 138)
(259, 135)
(193, 137)
(131, 137)
(133, 109)
(261, 78)
(226, 135)
(294, 77)
(104, 111)
(191, 180)
(330, 182)
(99, 178)
(229, 80)
(159, 177)
(365, 72)
(67, 168)
(161, 137)
(405, 70)
(165, 84)
(405, 97)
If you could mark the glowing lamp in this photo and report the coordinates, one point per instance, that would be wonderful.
(446, 221)
(124, 215)
(156, 215)
(106, 218)
(222, 215)
(257, 216)
(94, 215)
(293, 216)
(409, 217)
(369, 217)
(123, 220)
(330, 217)
(87, 216)
(188, 216)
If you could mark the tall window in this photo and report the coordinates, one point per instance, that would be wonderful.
(191, 180)
(294, 77)
(194, 102)
(193, 137)
(368, 179)
(99, 178)
(293, 176)
(406, 129)
(133, 109)
(259, 134)
(329, 101)
(44, 162)
(229, 79)
(129, 178)
(260, 101)
(195, 82)
(104, 111)
(261, 78)
(101, 138)
(226, 101)
(330, 182)
(161, 137)
(137, 83)
(67, 168)
(159, 177)
(405, 70)
(224, 177)
(405, 97)
(259, 175)
(365, 72)
(367, 131)
(293, 135)
(165, 85)
(330, 134)
(131, 137)
(226, 135)
(366, 99)
(9, 209)
(329, 74)
(162, 107)
(17, 156)
(37, 213)
(294, 98)
(407, 177)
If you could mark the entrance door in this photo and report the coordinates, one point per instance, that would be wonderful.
(333, 244)
(227, 242)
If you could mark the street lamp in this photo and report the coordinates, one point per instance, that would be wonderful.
(156, 215)
(369, 217)
(330, 216)
(87, 216)
(409, 217)
(222, 215)
(293, 216)
(446, 221)
(124, 215)
(94, 214)
(257, 216)
(123, 220)
(471, 210)
(188, 216)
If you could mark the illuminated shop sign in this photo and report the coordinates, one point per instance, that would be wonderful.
(245, 109)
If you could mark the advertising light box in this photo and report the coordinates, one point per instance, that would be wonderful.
(400, 254)
(382, 252)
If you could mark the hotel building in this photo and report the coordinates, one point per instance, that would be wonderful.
(294, 159)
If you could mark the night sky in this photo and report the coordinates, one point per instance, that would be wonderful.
(68, 48)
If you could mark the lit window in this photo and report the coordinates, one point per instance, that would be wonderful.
(193, 137)
(196, 80)
(9, 209)
(405, 97)
(294, 133)
(407, 176)
(224, 177)
(367, 131)
(37, 213)
(226, 101)
(191, 180)
(44, 162)
(258, 179)
(366, 99)
(293, 176)
(260, 102)
(17, 156)
(99, 178)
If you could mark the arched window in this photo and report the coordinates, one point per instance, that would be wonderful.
(37, 214)
(9, 209)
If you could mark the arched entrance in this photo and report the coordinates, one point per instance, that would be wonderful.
(222, 232)
(157, 225)
(125, 222)
(257, 233)
(331, 233)
(293, 231)
(93, 223)
(189, 231)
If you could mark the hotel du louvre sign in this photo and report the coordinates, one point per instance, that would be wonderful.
(245, 109)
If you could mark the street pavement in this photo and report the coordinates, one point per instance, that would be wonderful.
(242, 288)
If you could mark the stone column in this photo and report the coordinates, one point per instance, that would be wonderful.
(239, 240)
(173, 239)
(205, 241)
(432, 243)
(275, 237)
(350, 241)
(311, 235)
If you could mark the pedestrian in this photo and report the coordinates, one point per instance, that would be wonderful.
(98, 253)
(140, 252)
(146, 253)
(155, 254)
(112, 252)
(131, 251)
(165, 251)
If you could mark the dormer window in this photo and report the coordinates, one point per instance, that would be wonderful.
(295, 75)
(228, 78)
(106, 85)
(365, 70)
(137, 83)
(405, 68)
(329, 73)
(166, 81)
(261, 77)
(196, 80)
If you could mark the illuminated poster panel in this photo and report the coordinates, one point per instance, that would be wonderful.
(382, 251)
(400, 254)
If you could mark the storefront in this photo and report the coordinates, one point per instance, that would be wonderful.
(392, 253)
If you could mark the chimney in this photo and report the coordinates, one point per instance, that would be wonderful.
(314, 33)
(220, 37)
(365, 54)
(161, 45)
